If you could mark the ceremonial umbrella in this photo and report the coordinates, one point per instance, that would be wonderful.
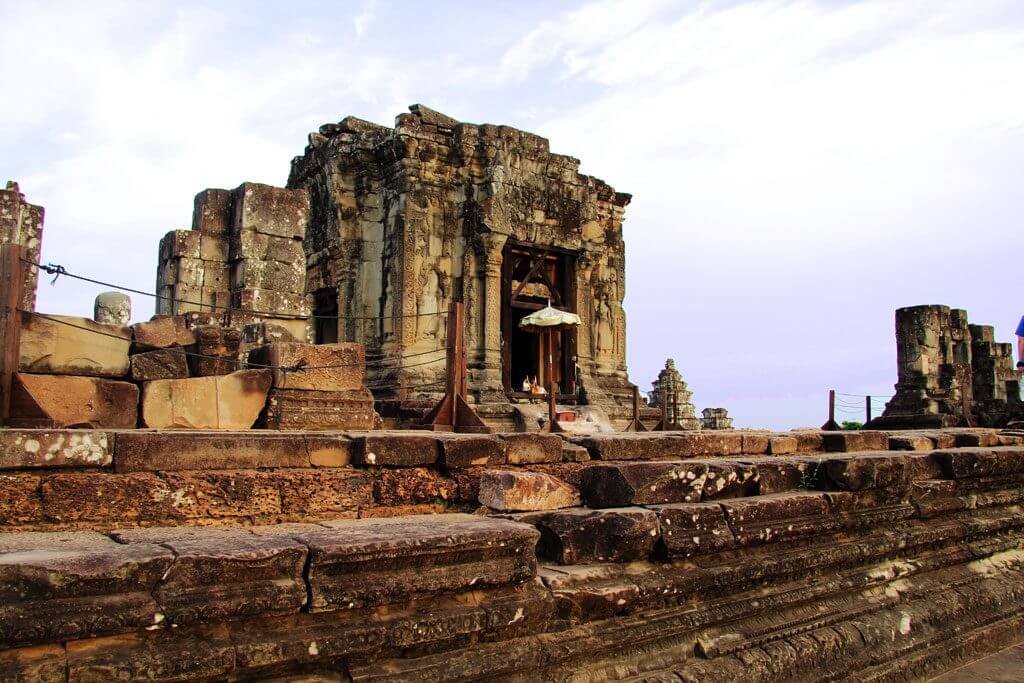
(550, 320)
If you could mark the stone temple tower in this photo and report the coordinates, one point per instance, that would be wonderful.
(406, 220)
(679, 406)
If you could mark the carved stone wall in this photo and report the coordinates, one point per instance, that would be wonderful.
(22, 223)
(406, 220)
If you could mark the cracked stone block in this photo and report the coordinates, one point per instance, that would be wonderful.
(55, 348)
(232, 401)
(691, 528)
(579, 536)
(525, 491)
(608, 485)
(69, 401)
(159, 364)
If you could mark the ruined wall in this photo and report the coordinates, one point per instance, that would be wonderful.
(405, 220)
(22, 223)
(992, 368)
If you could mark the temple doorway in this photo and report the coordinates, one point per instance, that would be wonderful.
(533, 275)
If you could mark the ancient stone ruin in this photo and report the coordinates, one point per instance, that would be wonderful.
(209, 495)
(670, 389)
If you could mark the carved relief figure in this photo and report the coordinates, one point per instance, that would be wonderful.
(427, 326)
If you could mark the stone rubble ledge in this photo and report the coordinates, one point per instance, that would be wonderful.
(59, 586)
(885, 596)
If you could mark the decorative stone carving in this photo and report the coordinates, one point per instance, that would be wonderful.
(112, 308)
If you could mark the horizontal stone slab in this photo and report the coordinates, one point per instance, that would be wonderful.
(869, 471)
(776, 517)
(40, 448)
(580, 535)
(318, 367)
(370, 562)
(231, 401)
(847, 442)
(970, 463)
(470, 450)
(525, 449)
(55, 586)
(159, 364)
(66, 345)
(662, 445)
(298, 409)
(224, 573)
(38, 664)
(154, 451)
(396, 449)
(609, 485)
(54, 401)
(524, 491)
(691, 528)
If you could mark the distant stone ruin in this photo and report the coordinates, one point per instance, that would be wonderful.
(716, 418)
(670, 387)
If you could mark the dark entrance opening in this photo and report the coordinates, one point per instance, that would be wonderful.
(325, 303)
(532, 276)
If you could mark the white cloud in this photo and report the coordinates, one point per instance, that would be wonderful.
(366, 15)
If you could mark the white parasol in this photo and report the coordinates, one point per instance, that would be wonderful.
(548, 318)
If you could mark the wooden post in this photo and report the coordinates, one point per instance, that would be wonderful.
(867, 410)
(453, 413)
(552, 425)
(12, 279)
(635, 424)
(831, 425)
(662, 425)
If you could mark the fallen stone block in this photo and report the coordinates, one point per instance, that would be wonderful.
(614, 535)
(396, 449)
(365, 563)
(320, 410)
(691, 528)
(782, 445)
(222, 574)
(36, 448)
(528, 448)
(776, 517)
(848, 442)
(317, 367)
(610, 485)
(159, 364)
(470, 450)
(56, 586)
(145, 451)
(50, 346)
(525, 491)
(271, 210)
(232, 401)
(53, 401)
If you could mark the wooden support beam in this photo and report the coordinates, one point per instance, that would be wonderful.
(453, 413)
(831, 425)
(12, 279)
(635, 425)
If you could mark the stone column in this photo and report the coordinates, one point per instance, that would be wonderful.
(22, 223)
(487, 368)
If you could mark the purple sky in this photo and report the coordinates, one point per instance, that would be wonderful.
(798, 169)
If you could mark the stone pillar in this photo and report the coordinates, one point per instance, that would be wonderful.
(22, 223)
(716, 418)
(112, 308)
(992, 368)
(487, 373)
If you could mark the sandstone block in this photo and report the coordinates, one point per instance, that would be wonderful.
(782, 445)
(776, 475)
(976, 439)
(413, 486)
(205, 653)
(179, 244)
(249, 244)
(58, 586)
(609, 485)
(972, 463)
(776, 517)
(275, 275)
(320, 410)
(910, 443)
(318, 367)
(729, 479)
(847, 442)
(40, 664)
(159, 364)
(76, 497)
(271, 210)
(213, 212)
(70, 401)
(690, 444)
(56, 348)
(146, 451)
(35, 448)
(525, 491)
(523, 449)
(329, 450)
(754, 443)
(574, 453)
(365, 563)
(20, 501)
(224, 573)
(218, 494)
(808, 441)
(220, 346)
(163, 331)
(227, 402)
(469, 450)
(334, 492)
(396, 449)
(878, 471)
(270, 303)
(691, 528)
(614, 535)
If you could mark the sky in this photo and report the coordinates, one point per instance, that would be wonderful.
(799, 169)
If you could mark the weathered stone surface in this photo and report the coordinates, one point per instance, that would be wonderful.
(271, 210)
(320, 410)
(101, 497)
(976, 439)
(969, 463)
(846, 442)
(59, 586)
(808, 441)
(574, 453)
(222, 494)
(869, 471)
(364, 563)
(218, 351)
(112, 308)
(159, 364)
(329, 450)
(524, 491)
(782, 445)
(412, 485)
(327, 492)
(40, 664)
(275, 275)
(179, 244)
(524, 449)
(70, 401)
(609, 485)
(755, 443)
(20, 500)
(227, 402)
(249, 244)
(729, 479)
(142, 451)
(469, 450)
(35, 448)
(163, 331)
(317, 367)
(56, 345)
(396, 449)
(690, 528)
(589, 592)
(162, 655)
(910, 443)
(213, 212)
(625, 446)
(224, 573)
(776, 475)
(614, 535)
(764, 519)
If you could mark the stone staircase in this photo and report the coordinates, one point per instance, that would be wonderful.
(727, 556)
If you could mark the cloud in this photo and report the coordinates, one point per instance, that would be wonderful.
(366, 15)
